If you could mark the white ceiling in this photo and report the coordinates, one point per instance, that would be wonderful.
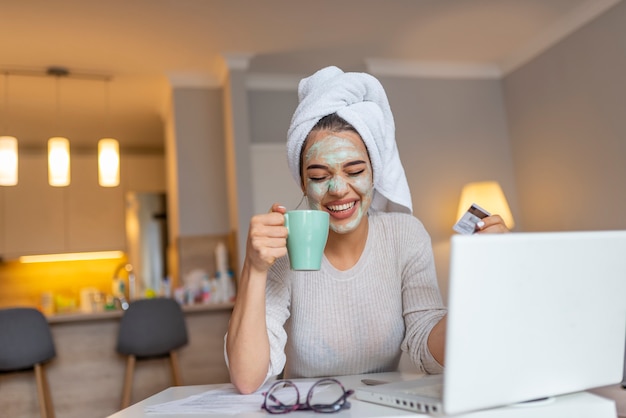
(143, 43)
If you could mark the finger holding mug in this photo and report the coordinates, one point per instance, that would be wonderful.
(267, 237)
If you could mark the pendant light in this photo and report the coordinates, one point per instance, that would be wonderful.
(8, 146)
(108, 153)
(8, 161)
(58, 161)
(58, 147)
(108, 162)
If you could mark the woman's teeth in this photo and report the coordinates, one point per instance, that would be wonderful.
(339, 208)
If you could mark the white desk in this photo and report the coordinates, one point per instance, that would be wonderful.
(579, 405)
(617, 393)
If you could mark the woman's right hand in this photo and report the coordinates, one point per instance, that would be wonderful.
(267, 238)
(247, 342)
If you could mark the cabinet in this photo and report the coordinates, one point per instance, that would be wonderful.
(33, 210)
(94, 215)
(40, 219)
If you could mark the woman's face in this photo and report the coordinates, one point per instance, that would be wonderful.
(337, 177)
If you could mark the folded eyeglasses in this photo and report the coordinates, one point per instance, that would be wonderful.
(326, 396)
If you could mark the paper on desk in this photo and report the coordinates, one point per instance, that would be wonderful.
(226, 400)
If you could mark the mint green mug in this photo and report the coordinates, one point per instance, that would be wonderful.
(306, 239)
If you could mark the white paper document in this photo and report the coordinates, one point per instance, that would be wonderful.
(226, 400)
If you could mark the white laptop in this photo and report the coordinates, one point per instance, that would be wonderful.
(531, 316)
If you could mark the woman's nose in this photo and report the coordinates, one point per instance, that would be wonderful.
(337, 185)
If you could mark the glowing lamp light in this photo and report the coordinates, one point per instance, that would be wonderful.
(489, 196)
(50, 258)
(58, 162)
(8, 161)
(108, 162)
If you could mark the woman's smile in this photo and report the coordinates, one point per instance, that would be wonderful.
(342, 210)
(338, 178)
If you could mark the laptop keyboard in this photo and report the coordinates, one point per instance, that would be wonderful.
(433, 391)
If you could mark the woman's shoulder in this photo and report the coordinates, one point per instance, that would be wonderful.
(403, 226)
(396, 219)
(404, 233)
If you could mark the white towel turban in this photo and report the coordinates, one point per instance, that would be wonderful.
(360, 100)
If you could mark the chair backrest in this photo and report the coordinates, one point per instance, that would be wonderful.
(152, 327)
(25, 339)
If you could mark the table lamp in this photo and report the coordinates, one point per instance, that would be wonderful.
(489, 196)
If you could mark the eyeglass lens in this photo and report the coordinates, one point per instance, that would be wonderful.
(282, 397)
(326, 396)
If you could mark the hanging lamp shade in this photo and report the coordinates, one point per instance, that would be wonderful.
(108, 162)
(59, 161)
(8, 161)
(8, 146)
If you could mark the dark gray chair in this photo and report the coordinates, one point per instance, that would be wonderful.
(151, 328)
(26, 344)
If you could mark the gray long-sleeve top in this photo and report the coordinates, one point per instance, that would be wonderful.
(332, 322)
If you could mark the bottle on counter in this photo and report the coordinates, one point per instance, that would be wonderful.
(47, 303)
(221, 257)
(206, 290)
(166, 287)
(224, 276)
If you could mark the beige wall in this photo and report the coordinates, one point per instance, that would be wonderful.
(567, 116)
(449, 133)
(551, 132)
(199, 175)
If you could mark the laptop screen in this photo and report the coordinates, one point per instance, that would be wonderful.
(533, 315)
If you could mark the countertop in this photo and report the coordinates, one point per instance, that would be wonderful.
(79, 316)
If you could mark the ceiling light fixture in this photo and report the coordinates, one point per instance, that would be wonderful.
(108, 153)
(8, 161)
(58, 147)
(8, 146)
(58, 161)
(108, 162)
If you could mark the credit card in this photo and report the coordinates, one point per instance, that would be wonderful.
(467, 224)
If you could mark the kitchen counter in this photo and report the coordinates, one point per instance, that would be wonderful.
(87, 374)
(79, 316)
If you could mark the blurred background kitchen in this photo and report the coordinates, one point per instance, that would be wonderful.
(199, 94)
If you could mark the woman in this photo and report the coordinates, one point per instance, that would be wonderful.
(376, 294)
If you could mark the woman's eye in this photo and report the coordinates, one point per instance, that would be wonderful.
(317, 178)
(356, 173)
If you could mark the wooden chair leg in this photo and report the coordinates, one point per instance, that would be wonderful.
(175, 369)
(47, 394)
(128, 381)
(44, 396)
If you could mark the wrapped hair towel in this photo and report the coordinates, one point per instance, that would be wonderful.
(360, 100)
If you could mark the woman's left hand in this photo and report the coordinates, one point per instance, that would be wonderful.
(491, 224)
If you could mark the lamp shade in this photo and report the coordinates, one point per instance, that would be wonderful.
(8, 161)
(108, 162)
(489, 196)
(58, 161)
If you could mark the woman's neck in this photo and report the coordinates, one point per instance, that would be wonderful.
(344, 250)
